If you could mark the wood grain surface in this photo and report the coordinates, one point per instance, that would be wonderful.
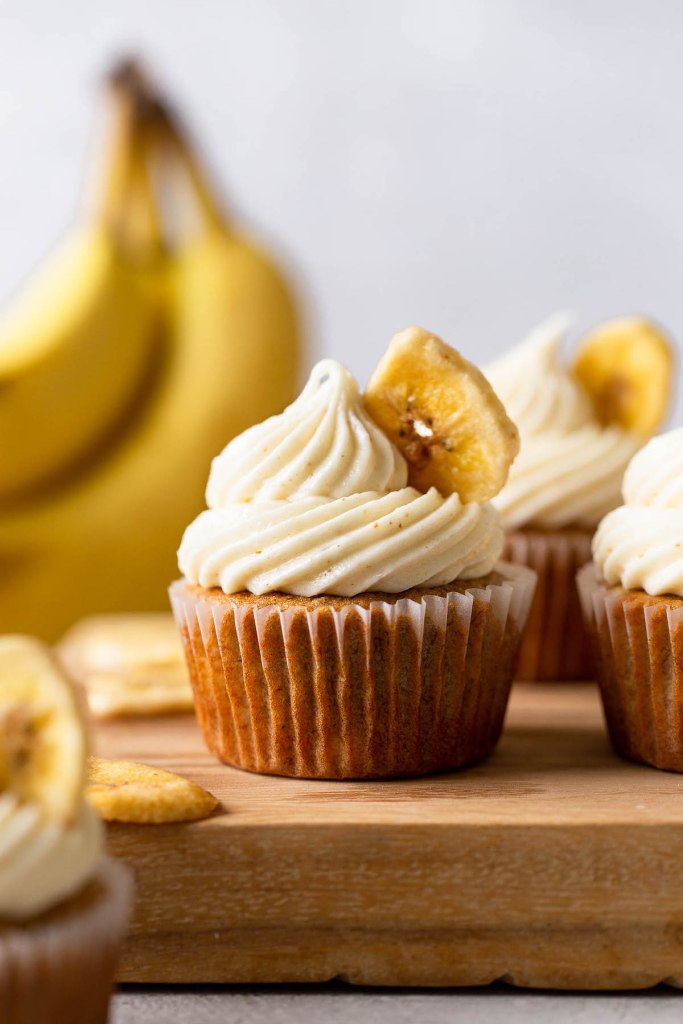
(554, 864)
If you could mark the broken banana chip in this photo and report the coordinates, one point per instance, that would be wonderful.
(626, 366)
(42, 738)
(443, 415)
(128, 664)
(126, 791)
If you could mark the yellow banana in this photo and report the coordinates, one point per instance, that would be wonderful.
(77, 346)
(105, 540)
(224, 288)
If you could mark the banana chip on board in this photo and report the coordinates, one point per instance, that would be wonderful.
(128, 664)
(127, 791)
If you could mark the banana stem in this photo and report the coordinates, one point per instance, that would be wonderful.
(171, 134)
(125, 205)
(143, 222)
(146, 128)
(166, 132)
(113, 184)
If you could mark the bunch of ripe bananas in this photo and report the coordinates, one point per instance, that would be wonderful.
(154, 334)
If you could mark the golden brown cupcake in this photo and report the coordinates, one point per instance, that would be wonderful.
(579, 426)
(64, 906)
(632, 599)
(339, 623)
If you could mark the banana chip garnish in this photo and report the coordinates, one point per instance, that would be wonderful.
(626, 365)
(443, 415)
(42, 740)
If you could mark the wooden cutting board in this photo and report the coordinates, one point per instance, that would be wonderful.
(554, 864)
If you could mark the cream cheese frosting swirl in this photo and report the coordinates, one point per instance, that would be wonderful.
(569, 468)
(640, 544)
(42, 861)
(315, 501)
(323, 444)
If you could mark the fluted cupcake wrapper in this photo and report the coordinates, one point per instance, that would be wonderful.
(638, 652)
(366, 690)
(555, 645)
(59, 969)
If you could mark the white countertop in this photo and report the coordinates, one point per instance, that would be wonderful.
(340, 1005)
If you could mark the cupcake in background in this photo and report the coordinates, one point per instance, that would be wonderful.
(64, 906)
(632, 597)
(579, 426)
(342, 617)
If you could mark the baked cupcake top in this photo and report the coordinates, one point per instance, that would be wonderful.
(640, 544)
(50, 839)
(315, 501)
(570, 466)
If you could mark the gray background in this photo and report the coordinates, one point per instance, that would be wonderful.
(470, 165)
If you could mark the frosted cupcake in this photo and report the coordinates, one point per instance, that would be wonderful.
(63, 905)
(632, 598)
(579, 426)
(339, 623)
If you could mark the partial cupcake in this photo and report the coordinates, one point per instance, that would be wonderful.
(632, 599)
(338, 622)
(128, 665)
(64, 906)
(579, 426)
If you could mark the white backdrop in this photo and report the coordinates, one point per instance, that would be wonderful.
(469, 165)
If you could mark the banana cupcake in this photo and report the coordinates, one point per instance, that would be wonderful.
(337, 621)
(579, 426)
(63, 906)
(632, 597)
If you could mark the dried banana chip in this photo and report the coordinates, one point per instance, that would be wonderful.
(128, 664)
(443, 415)
(153, 692)
(626, 365)
(42, 738)
(126, 791)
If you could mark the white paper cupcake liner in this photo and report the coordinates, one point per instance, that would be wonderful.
(370, 687)
(59, 969)
(638, 652)
(555, 645)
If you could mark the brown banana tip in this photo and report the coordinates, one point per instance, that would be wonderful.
(150, 107)
(127, 72)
